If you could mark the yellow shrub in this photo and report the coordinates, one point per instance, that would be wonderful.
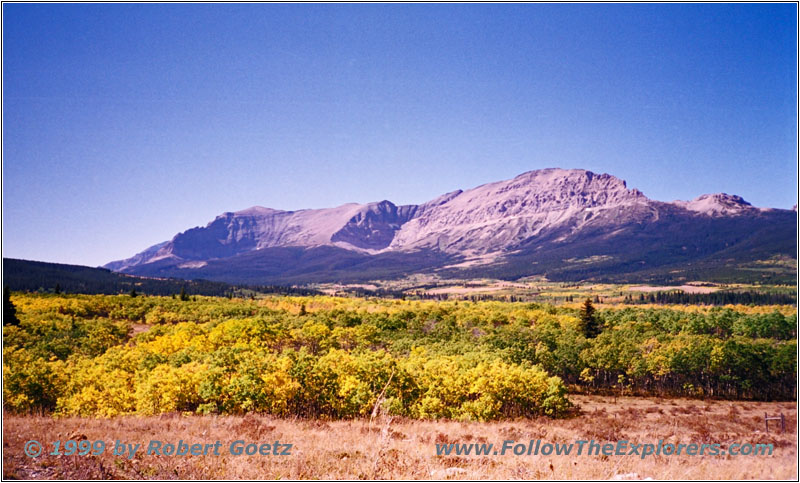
(168, 389)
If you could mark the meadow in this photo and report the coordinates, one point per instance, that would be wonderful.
(401, 448)
(366, 387)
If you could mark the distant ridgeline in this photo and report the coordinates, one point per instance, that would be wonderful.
(30, 276)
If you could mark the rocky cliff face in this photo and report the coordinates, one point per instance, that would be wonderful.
(497, 216)
(374, 227)
(538, 207)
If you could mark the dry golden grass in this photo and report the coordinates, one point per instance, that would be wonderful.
(405, 449)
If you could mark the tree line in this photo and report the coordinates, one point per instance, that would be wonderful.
(722, 297)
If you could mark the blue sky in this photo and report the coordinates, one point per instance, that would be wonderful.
(124, 124)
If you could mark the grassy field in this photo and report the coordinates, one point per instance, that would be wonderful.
(396, 448)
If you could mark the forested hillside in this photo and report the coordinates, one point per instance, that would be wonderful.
(31, 276)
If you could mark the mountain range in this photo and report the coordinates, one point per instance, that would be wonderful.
(556, 223)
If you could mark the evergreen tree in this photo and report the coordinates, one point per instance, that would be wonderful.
(590, 326)
(57, 289)
(133, 293)
(9, 311)
(183, 295)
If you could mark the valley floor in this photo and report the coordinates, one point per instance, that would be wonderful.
(407, 449)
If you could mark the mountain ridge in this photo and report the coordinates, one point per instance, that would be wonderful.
(486, 224)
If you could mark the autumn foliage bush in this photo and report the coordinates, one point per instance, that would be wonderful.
(332, 358)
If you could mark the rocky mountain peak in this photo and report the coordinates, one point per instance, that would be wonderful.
(716, 204)
(551, 205)
(254, 211)
(573, 186)
(495, 216)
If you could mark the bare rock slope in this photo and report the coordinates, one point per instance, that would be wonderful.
(529, 219)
